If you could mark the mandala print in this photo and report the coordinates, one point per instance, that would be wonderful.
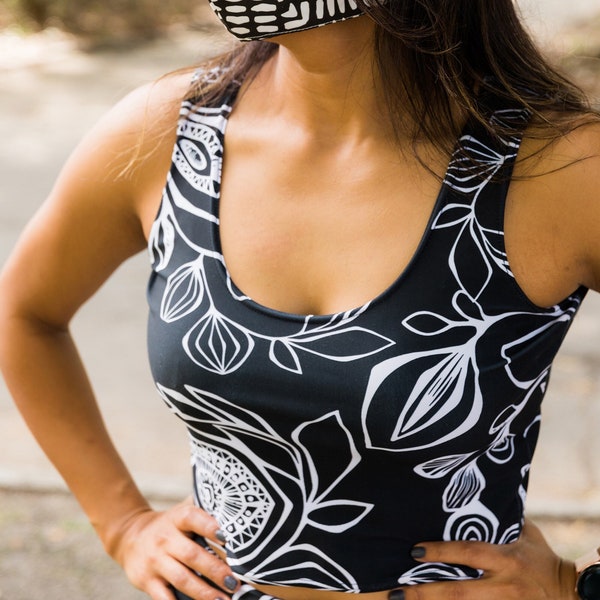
(254, 499)
(225, 487)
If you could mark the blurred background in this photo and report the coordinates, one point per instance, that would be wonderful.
(63, 64)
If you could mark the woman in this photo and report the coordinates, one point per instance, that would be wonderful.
(350, 307)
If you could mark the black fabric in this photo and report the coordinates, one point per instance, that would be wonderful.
(327, 446)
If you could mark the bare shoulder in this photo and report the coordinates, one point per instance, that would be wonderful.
(564, 155)
(152, 109)
(553, 213)
(581, 183)
(124, 159)
(96, 214)
(139, 127)
(140, 133)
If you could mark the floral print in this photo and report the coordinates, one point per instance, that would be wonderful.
(326, 446)
(253, 504)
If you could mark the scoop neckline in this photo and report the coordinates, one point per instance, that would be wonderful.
(238, 294)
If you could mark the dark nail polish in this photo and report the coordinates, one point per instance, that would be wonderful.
(220, 535)
(231, 582)
(418, 552)
(396, 595)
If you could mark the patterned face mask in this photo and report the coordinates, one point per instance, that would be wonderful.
(261, 19)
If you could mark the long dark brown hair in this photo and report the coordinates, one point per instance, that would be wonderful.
(436, 55)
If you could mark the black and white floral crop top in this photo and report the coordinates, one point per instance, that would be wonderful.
(327, 446)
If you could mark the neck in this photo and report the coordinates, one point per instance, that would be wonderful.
(323, 79)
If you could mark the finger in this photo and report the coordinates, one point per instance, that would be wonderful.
(192, 519)
(198, 559)
(478, 555)
(189, 583)
(159, 590)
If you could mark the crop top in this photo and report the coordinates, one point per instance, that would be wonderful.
(327, 446)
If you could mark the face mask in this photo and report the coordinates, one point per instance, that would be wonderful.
(261, 19)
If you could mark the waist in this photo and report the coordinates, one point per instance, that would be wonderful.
(284, 592)
(297, 593)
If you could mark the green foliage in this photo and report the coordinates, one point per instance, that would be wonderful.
(98, 18)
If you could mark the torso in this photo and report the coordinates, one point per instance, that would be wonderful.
(304, 249)
(326, 230)
(330, 228)
(307, 239)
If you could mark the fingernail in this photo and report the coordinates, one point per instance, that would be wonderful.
(396, 595)
(418, 552)
(220, 535)
(231, 582)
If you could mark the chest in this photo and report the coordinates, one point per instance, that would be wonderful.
(313, 230)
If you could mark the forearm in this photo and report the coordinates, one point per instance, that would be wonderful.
(44, 373)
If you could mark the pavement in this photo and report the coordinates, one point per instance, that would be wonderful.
(50, 94)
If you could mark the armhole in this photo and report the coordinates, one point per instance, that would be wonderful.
(505, 182)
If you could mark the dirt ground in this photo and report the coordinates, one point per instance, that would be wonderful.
(48, 551)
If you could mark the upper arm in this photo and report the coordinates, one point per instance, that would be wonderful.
(552, 221)
(582, 214)
(93, 219)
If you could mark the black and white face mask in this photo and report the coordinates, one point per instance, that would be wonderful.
(261, 19)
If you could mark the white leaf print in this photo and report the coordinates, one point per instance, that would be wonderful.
(440, 467)
(427, 323)
(437, 391)
(464, 488)
(284, 356)
(503, 450)
(331, 470)
(494, 246)
(182, 202)
(334, 345)
(305, 565)
(450, 386)
(325, 471)
(218, 345)
(471, 174)
(535, 340)
(502, 423)
(451, 215)
(244, 479)
(336, 516)
(504, 419)
(469, 261)
(161, 240)
(468, 308)
(184, 292)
